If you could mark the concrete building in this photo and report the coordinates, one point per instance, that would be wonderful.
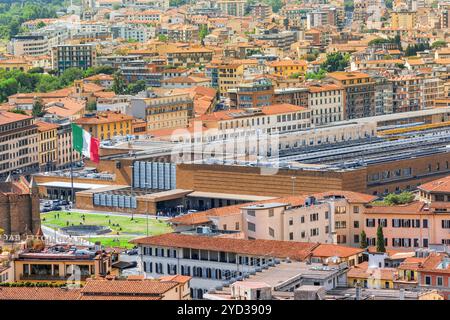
(232, 7)
(82, 56)
(252, 94)
(359, 93)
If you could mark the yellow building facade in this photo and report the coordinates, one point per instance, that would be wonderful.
(47, 145)
(105, 125)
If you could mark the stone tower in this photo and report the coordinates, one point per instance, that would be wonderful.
(19, 207)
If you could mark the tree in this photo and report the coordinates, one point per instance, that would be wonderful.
(438, 44)
(135, 88)
(380, 239)
(91, 106)
(70, 75)
(119, 84)
(336, 62)
(38, 108)
(162, 38)
(40, 24)
(316, 75)
(203, 32)
(18, 111)
(363, 241)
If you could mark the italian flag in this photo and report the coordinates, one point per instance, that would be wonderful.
(84, 143)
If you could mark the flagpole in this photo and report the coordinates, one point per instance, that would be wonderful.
(71, 169)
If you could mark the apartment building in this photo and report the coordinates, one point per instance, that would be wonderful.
(288, 68)
(183, 33)
(107, 124)
(29, 45)
(232, 7)
(82, 56)
(418, 224)
(405, 20)
(213, 260)
(137, 32)
(19, 151)
(189, 57)
(407, 93)
(166, 110)
(252, 94)
(359, 90)
(332, 217)
(273, 119)
(48, 145)
(229, 76)
(326, 102)
(261, 11)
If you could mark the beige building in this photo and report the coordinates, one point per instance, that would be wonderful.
(406, 20)
(18, 144)
(48, 145)
(331, 217)
(168, 111)
(326, 102)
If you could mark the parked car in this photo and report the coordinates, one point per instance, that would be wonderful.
(132, 252)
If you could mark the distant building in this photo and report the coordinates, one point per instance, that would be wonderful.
(82, 56)
(232, 7)
(107, 124)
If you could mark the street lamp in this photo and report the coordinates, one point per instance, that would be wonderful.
(131, 185)
(293, 184)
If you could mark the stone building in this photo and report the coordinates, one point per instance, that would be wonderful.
(19, 207)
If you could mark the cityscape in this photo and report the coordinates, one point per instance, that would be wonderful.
(224, 150)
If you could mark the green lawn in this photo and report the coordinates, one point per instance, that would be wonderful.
(123, 225)
(123, 228)
(121, 241)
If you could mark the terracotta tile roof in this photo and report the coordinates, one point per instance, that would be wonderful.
(127, 287)
(267, 110)
(9, 117)
(288, 63)
(351, 196)
(362, 271)
(120, 297)
(203, 217)
(334, 250)
(342, 75)
(38, 293)
(412, 263)
(298, 251)
(104, 117)
(414, 207)
(46, 126)
(177, 278)
(433, 264)
(439, 185)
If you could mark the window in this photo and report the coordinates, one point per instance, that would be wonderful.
(314, 217)
(291, 236)
(251, 213)
(236, 226)
(271, 232)
(314, 232)
(291, 221)
(370, 223)
(356, 238)
(439, 281)
(251, 227)
(270, 212)
(356, 224)
(428, 280)
(355, 209)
